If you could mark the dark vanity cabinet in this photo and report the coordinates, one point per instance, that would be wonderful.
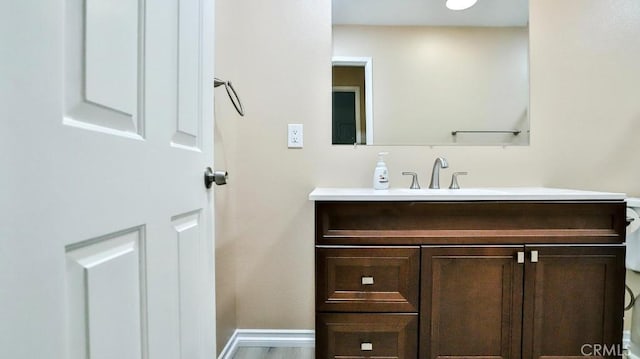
(406, 279)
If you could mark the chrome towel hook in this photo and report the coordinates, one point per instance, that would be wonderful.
(233, 95)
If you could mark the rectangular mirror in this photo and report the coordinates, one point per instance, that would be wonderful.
(413, 72)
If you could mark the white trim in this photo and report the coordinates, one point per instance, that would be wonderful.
(267, 338)
(626, 339)
(230, 348)
(298, 339)
(367, 62)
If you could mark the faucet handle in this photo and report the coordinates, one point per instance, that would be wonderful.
(414, 180)
(454, 179)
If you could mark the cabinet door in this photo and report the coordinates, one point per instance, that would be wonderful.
(471, 302)
(573, 301)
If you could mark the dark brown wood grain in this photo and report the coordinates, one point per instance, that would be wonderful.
(393, 270)
(573, 296)
(391, 335)
(471, 302)
(414, 223)
(451, 270)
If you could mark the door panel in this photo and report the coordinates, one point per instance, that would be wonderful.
(188, 244)
(106, 227)
(471, 302)
(189, 126)
(344, 118)
(106, 294)
(571, 297)
(104, 66)
(111, 72)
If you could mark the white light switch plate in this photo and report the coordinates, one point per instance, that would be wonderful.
(295, 137)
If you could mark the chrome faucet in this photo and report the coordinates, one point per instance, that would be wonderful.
(440, 162)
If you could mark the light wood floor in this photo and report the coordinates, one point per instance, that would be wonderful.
(274, 353)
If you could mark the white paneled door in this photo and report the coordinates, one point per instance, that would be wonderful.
(106, 227)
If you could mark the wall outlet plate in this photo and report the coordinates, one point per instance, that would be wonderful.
(295, 136)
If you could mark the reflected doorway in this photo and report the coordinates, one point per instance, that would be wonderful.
(352, 115)
(347, 126)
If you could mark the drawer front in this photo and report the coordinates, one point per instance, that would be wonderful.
(445, 223)
(367, 336)
(385, 279)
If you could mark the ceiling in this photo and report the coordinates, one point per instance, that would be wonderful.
(429, 12)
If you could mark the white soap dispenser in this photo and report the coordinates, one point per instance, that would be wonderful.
(381, 173)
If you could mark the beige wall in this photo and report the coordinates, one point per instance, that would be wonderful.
(224, 158)
(429, 81)
(585, 127)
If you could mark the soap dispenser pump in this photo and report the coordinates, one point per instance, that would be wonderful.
(381, 173)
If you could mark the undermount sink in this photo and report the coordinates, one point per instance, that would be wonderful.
(462, 194)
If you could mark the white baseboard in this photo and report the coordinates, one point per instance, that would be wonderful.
(626, 339)
(267, 338)
(230, 348)
(295, 339)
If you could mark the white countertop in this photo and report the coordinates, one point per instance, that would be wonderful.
(463, 194)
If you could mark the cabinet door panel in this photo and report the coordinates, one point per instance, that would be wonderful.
(573, 300)
(471, 302)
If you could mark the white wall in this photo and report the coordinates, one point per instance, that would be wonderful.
(585, 134)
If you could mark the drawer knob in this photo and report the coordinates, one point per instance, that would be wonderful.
(366, 347)
(367, 280)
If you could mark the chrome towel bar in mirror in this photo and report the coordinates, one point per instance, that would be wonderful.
(233, 95)
(514, 132)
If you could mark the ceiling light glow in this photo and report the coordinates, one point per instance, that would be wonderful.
(460, 4)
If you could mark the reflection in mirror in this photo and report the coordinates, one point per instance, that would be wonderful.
(426, 75)
(347, 122)
(352, 120)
